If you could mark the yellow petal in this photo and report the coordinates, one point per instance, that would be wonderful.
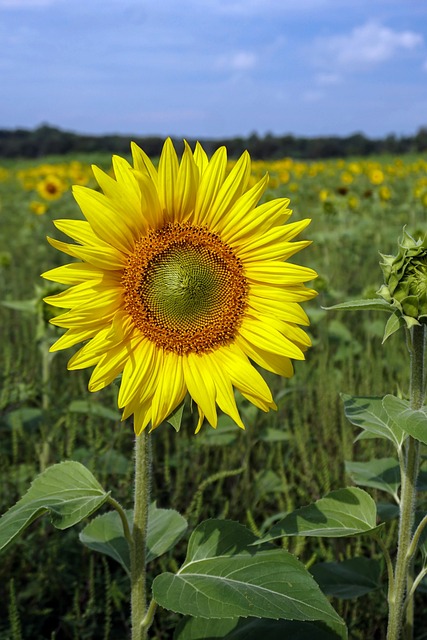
(186, 186)
(224, 389)
(106, 221)
(289, 311)
(72, 337)
(143, 164)
(264, 217)
(231, 190)
(280, 365)
(269, 339)
(170, 389)
(140, 373)
(279, 273)
(74, 273)
(242, 212)
(210, 183)
(200, 385)
(168, 172)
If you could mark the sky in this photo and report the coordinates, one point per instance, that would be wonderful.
(215, 68)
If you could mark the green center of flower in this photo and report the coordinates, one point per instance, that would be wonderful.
(184, 284)
(185, 289)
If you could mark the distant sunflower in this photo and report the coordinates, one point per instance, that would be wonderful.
(51, 187)
(182, 282)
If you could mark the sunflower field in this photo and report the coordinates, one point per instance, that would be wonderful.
(51, 585)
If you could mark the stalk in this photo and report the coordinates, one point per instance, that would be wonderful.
(139, 537)
(416, 343)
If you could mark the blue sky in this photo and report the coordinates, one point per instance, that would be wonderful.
(215, 68)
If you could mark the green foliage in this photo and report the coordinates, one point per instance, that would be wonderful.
(344, 512)
(252, 629)
(105, 534)
(67, 491)
(224, 576)
(348, 579)
(286, 459)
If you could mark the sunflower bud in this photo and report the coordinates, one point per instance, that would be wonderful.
(405, 278)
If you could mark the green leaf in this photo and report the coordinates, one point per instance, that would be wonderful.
(383, 474)
(254, 629)
(105, 534)
(94, 409)
(414, 423)
(67, 491)
(387, 511)
(225, 434)
(375, 304)
(29, 417)
(267, 481)
(369, 414)
(27, 306)
(348, 579)
(223, 576)
(270, 434)
(165, 528)
(345, 512)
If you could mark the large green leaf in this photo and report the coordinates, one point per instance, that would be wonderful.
(105, 534)
(348, 579)
(383, 474)
(254, 629)
(225, 576)
(369, 414)
(412, 422)
(67, 491)
(344, 512)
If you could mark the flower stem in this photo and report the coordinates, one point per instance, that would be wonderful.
(416, 344)
(139, 536)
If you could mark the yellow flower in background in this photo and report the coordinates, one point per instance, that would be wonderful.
(182, 282)
(346, 177)
(39, 208)
(384, 193)
(376, 176)
(324, 194)
(51, 187)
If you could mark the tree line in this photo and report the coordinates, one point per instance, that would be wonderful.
(47, 140)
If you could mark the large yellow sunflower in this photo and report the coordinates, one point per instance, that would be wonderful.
(182, 282)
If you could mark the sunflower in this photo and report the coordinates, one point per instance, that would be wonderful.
(182, 285)
(51, 187)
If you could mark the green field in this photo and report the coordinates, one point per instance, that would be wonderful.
(53, 587)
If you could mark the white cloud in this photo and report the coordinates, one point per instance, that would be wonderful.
(237, 61)
(327, 79)
(366, 46)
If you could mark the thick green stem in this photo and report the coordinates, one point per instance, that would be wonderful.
(139, 536)
(397, 594)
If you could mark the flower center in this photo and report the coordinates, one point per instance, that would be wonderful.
(185, 289)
